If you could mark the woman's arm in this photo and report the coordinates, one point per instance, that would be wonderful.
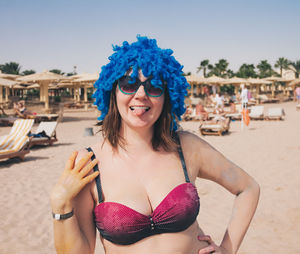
(73, 192)
(214, 166)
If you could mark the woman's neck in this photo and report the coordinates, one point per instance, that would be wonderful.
(137, 139)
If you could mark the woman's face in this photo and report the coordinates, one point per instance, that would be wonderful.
(139, 110)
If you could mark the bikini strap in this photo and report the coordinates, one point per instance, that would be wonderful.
(187, 179)
(98, 182)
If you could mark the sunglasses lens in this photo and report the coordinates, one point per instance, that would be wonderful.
(126, 87)
(152, 90)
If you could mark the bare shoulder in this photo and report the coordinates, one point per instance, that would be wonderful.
(190, 142)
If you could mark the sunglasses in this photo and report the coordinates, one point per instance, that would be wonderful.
(128, 86)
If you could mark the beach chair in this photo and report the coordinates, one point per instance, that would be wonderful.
(215, 127)
(275, 114)
(16, 143)
(20, 128)
(257, 112)
(45, 134)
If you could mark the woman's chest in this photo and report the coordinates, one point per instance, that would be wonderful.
(140, 183)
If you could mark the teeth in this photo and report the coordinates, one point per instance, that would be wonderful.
(139, 107)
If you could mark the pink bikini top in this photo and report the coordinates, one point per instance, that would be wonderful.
(121, 224)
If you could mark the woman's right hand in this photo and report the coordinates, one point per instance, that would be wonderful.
(73, 179)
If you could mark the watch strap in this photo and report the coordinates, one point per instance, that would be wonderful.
(65, 216)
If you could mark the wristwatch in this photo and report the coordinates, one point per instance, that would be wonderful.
(58, 216)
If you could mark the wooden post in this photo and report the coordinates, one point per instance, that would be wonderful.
(1, 94)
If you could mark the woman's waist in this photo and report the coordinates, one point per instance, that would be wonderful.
(181, 242)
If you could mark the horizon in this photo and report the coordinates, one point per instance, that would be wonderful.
(59, 35)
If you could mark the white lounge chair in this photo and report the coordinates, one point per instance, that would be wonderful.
(275, 114)
(257, 112)
(44, 134)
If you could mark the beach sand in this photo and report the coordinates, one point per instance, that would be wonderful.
(268, 150)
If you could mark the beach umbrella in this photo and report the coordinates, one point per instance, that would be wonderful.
(194, 80)
(33, 86)
(236, 82)
(294, 82)
(84, 80)
(257, 82)
(7, 83)
(8, 76)
(43, 79)
(276, 79)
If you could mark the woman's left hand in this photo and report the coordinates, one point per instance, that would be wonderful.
(212, 247)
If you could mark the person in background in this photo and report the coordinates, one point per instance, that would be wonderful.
(297, 94)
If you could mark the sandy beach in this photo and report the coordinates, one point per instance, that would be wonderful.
(267, 150)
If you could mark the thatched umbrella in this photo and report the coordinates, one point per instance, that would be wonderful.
(257, 83)
(276, 79)
(7, 84)
(43, 79)
(8, 76)
(87, 80)
(236, 82)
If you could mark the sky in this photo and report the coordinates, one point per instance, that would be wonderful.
(59, 34)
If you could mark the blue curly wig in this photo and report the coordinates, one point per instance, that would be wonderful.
(159, 63)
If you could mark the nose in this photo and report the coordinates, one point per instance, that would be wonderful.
(140, 92)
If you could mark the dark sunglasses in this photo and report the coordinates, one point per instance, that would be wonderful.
(128, 86)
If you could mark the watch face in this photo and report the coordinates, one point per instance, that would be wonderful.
(57, 216)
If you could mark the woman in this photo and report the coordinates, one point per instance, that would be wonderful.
(144, 199)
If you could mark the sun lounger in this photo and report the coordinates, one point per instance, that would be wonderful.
(215, 127)
(263, 98)
(46, 117)
(275, 114)
(44, 134)
(20, 128)
(16, 143)
(257, 112)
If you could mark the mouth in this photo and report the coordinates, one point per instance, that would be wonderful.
(144, 108)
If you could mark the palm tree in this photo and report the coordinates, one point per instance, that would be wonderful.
(246, 71)
(28, 72)
(57, 71)
(265, 69)
(295, 67)
(282, 63)
(220, 69)
(203, 66)
(10, 68)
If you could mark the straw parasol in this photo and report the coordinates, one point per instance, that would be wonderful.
(84, 80)
(276, 79)
(236, 82)
(257, 82)
(43, 79)
(7, 83)
(294, 82)
(8, 76)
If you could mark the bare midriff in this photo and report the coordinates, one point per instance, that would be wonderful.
(185, 242)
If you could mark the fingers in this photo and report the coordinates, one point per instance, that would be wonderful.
(207, 250)
(81, 163)
(206, 238)
(90, 177)
(71, 161)
(88, 168)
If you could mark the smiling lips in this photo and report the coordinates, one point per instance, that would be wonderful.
(139, 110)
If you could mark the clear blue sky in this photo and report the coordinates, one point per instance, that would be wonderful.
(40, 34)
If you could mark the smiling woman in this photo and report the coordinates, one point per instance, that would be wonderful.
(142, 196)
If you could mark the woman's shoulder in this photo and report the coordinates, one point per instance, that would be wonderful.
(191, 143)
(96, 148)
(188, 138)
